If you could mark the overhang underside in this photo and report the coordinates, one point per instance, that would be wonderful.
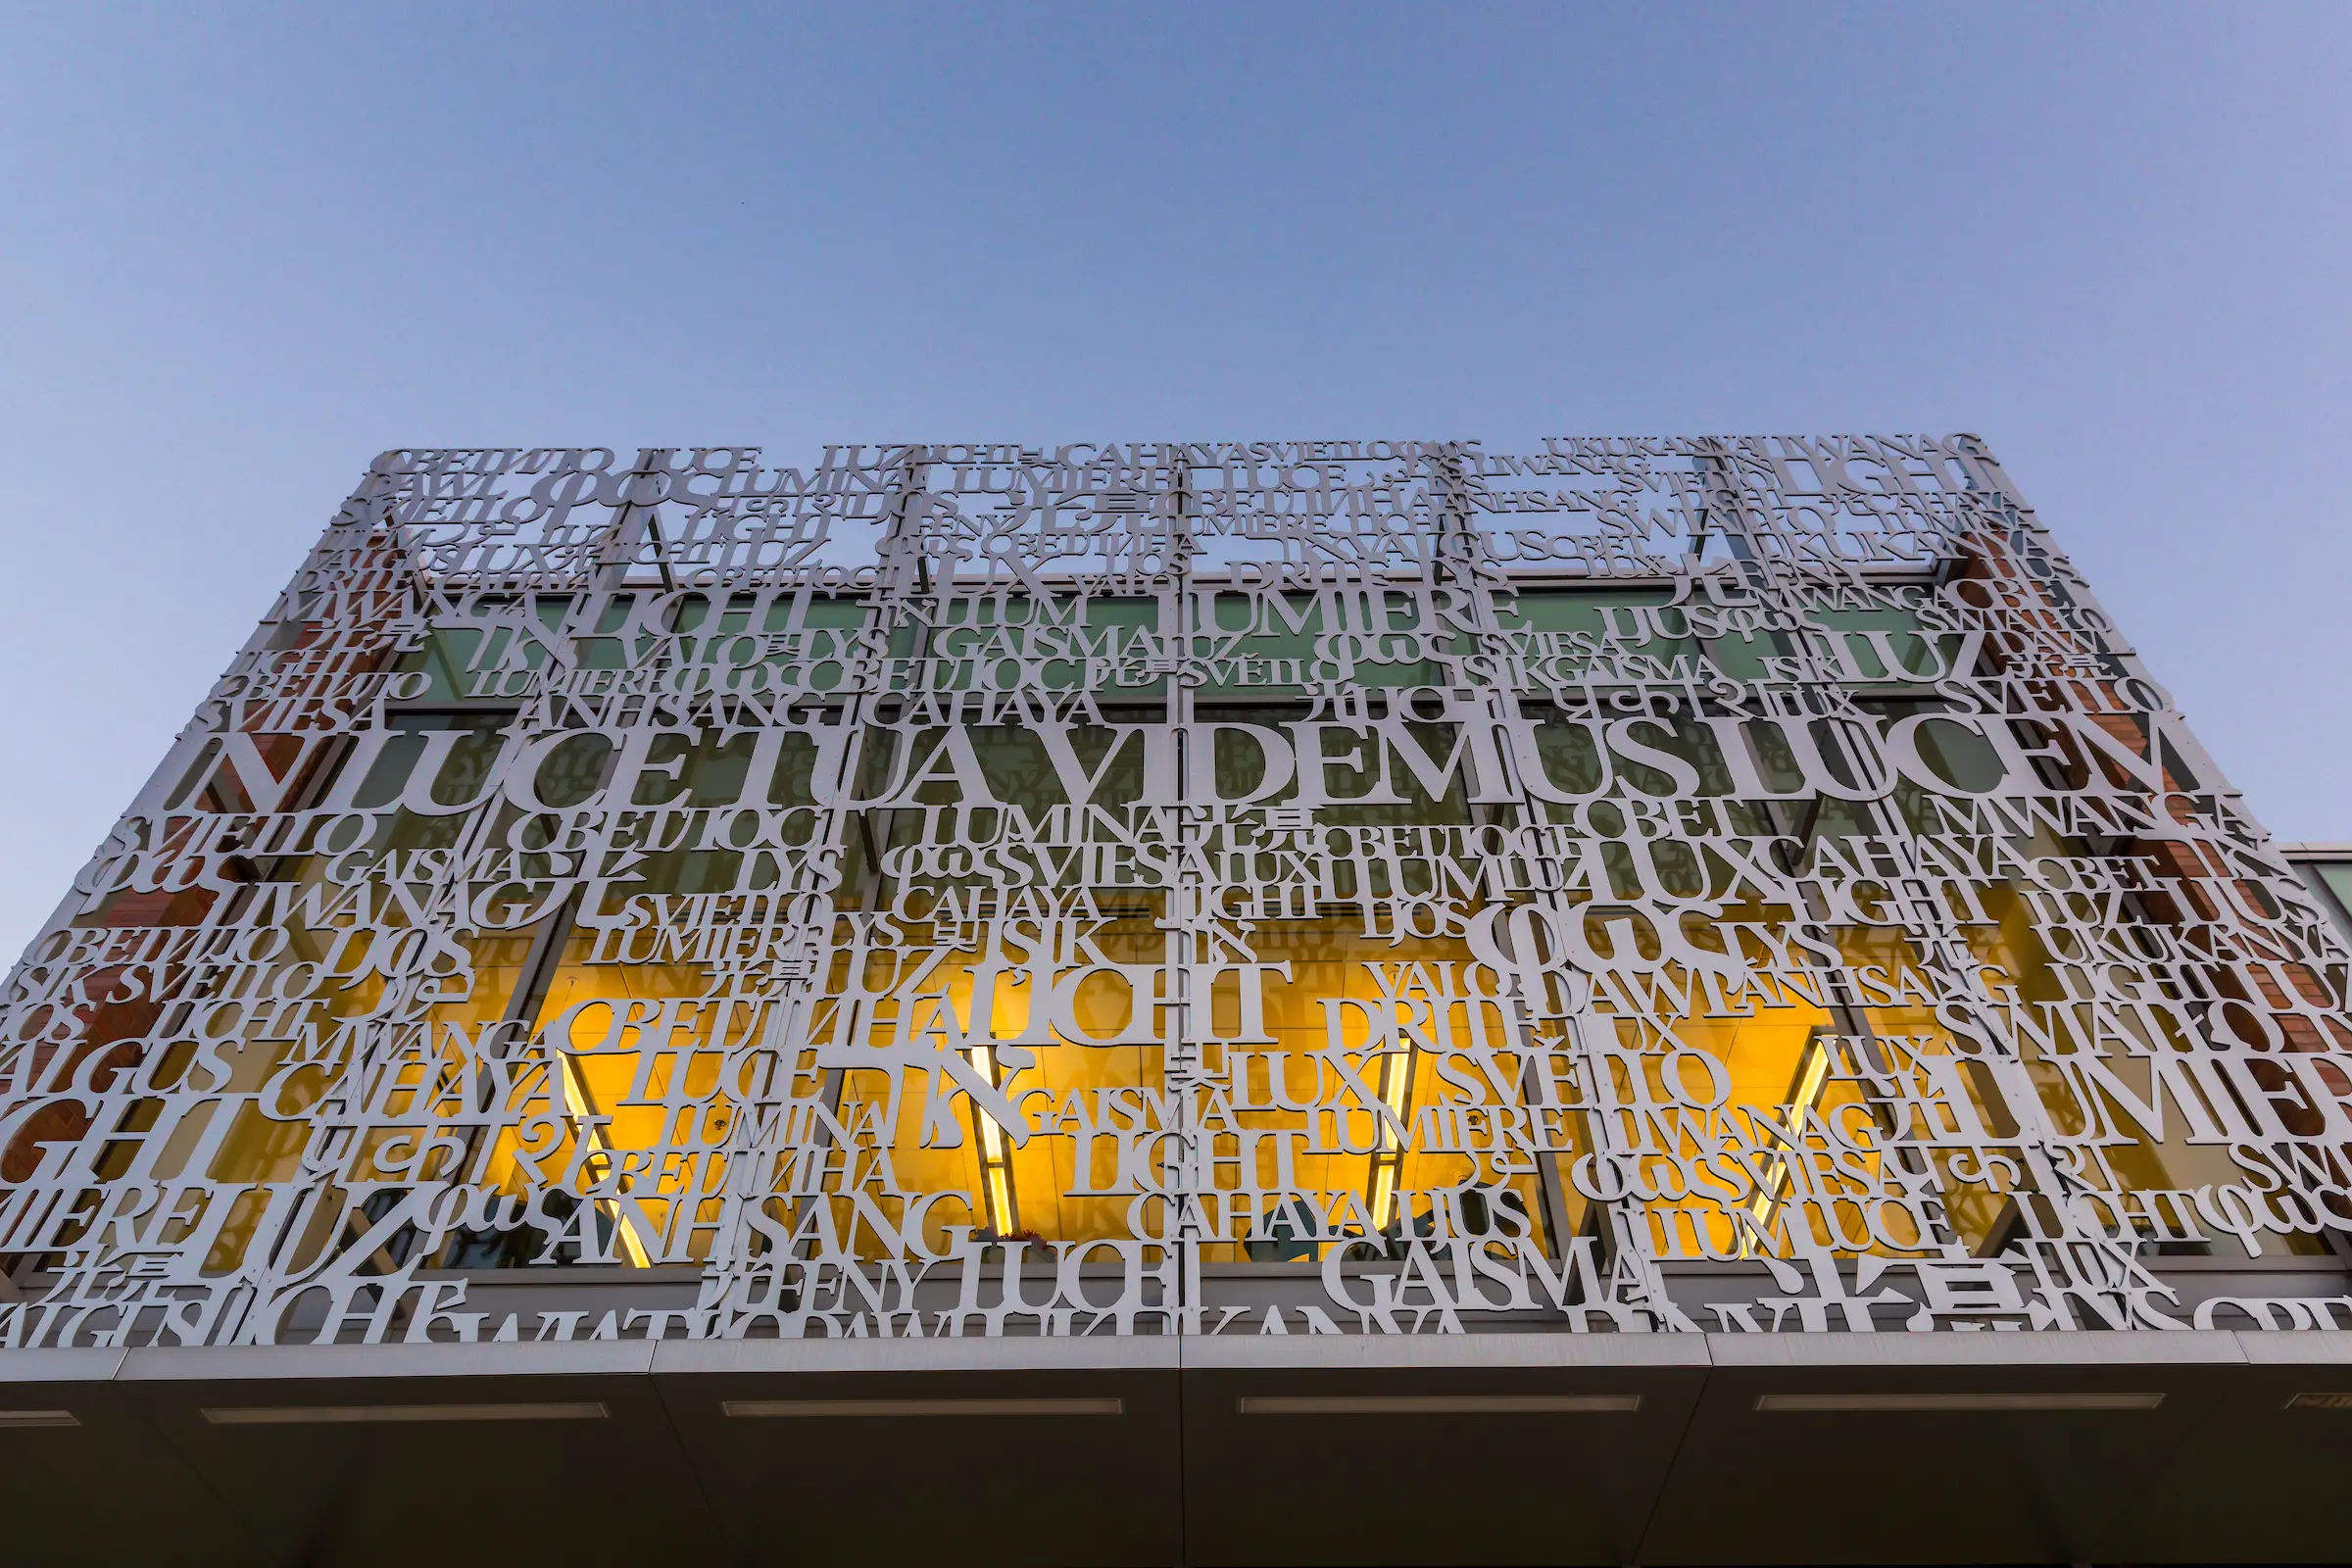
(1500, 1448)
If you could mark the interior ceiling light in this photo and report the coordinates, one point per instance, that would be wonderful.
(1441, 1404)
(874, 1407)
(303, 1415)
(1957, 1401)
(11, 1420)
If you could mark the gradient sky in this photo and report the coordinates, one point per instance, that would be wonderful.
(242, 249)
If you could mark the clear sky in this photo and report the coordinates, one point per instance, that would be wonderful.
(243, 248)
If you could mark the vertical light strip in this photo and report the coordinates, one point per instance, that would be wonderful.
(1812, 1076)
(580, 1107)
(1387, 1164)
(995, 1166)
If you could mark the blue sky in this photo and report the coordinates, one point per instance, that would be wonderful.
(243, 248)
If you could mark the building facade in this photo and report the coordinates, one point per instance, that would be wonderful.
(1679, 1001)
